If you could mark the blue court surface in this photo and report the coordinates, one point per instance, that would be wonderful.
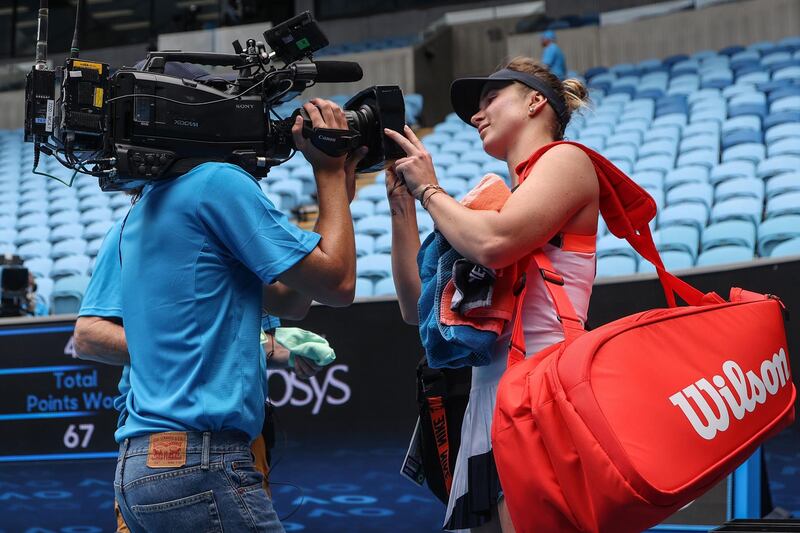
(327, 487)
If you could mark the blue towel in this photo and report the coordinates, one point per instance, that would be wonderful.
(446, 346)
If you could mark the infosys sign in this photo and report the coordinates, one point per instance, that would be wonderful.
(327, 388)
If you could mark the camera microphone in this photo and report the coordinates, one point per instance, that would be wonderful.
(329, 71)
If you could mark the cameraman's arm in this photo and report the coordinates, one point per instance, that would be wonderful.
(102, 340)
(328, 273)
(285, 302)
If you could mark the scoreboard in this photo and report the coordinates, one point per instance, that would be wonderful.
(52, 404)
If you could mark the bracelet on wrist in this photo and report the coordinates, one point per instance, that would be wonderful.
(419, 194)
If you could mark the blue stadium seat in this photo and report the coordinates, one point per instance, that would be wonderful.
(741, 137)
(781, 117)
(449, 127)
(478, 157)
(382, 207)
(97, 230)
(455, 147)
(364, 287)
(776, 230)
(615, 265)
(455, 187)
(68, 247)
(753, 75)
(68, 293)
(32, 234)
(609, 245)
(787, 73)
(40, 267)
(69, 203)
(32, 219)
(649, 178)
(8, 235)
(373, 192)
(374, 225)
(623, 152)
(731, 170)
(779, 164)
(290, 192)
(361, 208)
(374, 266)
(637, 125)
(788, 146)
(701, 157)
(708, 128)
(31, 206)
(717, 114)
(116, 200)
(787, 103)
(93, 247)
(739, 188)
(91, 202)
(702, 193)
(748, 209)
(689, 214)
(465, 171)
(70, 265)
(700, 142)
(497, 167)
(365, 244)
(424, 222)
(752, 151)
(782, 131)
(787, 248)
(729, 233)
(385, 287)
(743, 122)
(657, 162)
(724, 255)
(626, 138)
(678, 238)
(445, 159)
(382, 244)
(595, 142)
(783, 183)
(673, 260)
(787, 203)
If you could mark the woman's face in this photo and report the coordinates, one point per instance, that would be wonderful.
(502, 114)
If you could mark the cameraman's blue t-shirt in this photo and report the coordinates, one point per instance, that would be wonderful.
(103, 299)
(553, 57)
(195, 253)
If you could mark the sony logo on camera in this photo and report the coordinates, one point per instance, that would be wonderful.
(324, 388)
(246, 106)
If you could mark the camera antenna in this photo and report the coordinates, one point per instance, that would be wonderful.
(74, 50)
(41, 36)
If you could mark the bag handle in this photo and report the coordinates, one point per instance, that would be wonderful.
(565, 311)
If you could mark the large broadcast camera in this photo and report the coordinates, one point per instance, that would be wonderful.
(138, 125)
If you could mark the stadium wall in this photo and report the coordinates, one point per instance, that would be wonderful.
(713, 27)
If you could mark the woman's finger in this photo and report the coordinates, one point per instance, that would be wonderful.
(411, 136)
(401, 141)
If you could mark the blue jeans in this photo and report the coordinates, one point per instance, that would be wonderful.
(218, 489)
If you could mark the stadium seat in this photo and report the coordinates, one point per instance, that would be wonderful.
(361, 208)
(781, 117)
(724, 255)
(683, 175)
(739, 188)
(68, 247)
(32, 234)
(702, 193)
(385, 287)
(444, 159)
(68, 293)
(748, 209)
(615, 265)
(732, 170)
(780, 164)
(40, 267)
(497, 167)
(663, 147)
(374, 225)
(35, 249)
(787, 248)
(364, 287)
(782, 131)
(787, 146)
(776, 230)
(32, 219)
(68, 203)
(699, 142)
(649, 179)
(624, 152)
(97, 230)
(365, 244)
(70, 265)
(687, 214)
(728, 233)
(783, 183)
(750, 151)
(455, 147)
(657, 162)
(673, 260)
(678, 238)
(741, 137)
(612, 245)
(705, 128)
(628, 138)
(701, 157)
(374, 192)
(787, 203)
(664, 133)
(466, 171)
(374, 266)
(8, 235)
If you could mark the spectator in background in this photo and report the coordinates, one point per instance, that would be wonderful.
(552, 56)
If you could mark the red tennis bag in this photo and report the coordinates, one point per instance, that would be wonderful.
(615, 429)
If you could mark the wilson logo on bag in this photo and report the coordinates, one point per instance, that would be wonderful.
(615, 429)
(750, 389)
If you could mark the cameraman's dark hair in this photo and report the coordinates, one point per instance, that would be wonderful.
(574, 92)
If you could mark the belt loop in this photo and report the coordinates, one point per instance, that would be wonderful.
(204, 460)
(125, 444)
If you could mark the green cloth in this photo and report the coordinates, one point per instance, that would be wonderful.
(306, 344)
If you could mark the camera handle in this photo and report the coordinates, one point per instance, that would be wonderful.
(157, 60)
(334, 142)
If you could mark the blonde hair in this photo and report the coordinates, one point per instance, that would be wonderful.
(573, 91)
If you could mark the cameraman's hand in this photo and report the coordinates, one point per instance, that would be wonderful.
(323, 114)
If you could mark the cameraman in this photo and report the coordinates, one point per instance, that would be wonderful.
(195, 253)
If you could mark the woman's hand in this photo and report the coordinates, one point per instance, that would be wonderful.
(416, 169)
(396, 190)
